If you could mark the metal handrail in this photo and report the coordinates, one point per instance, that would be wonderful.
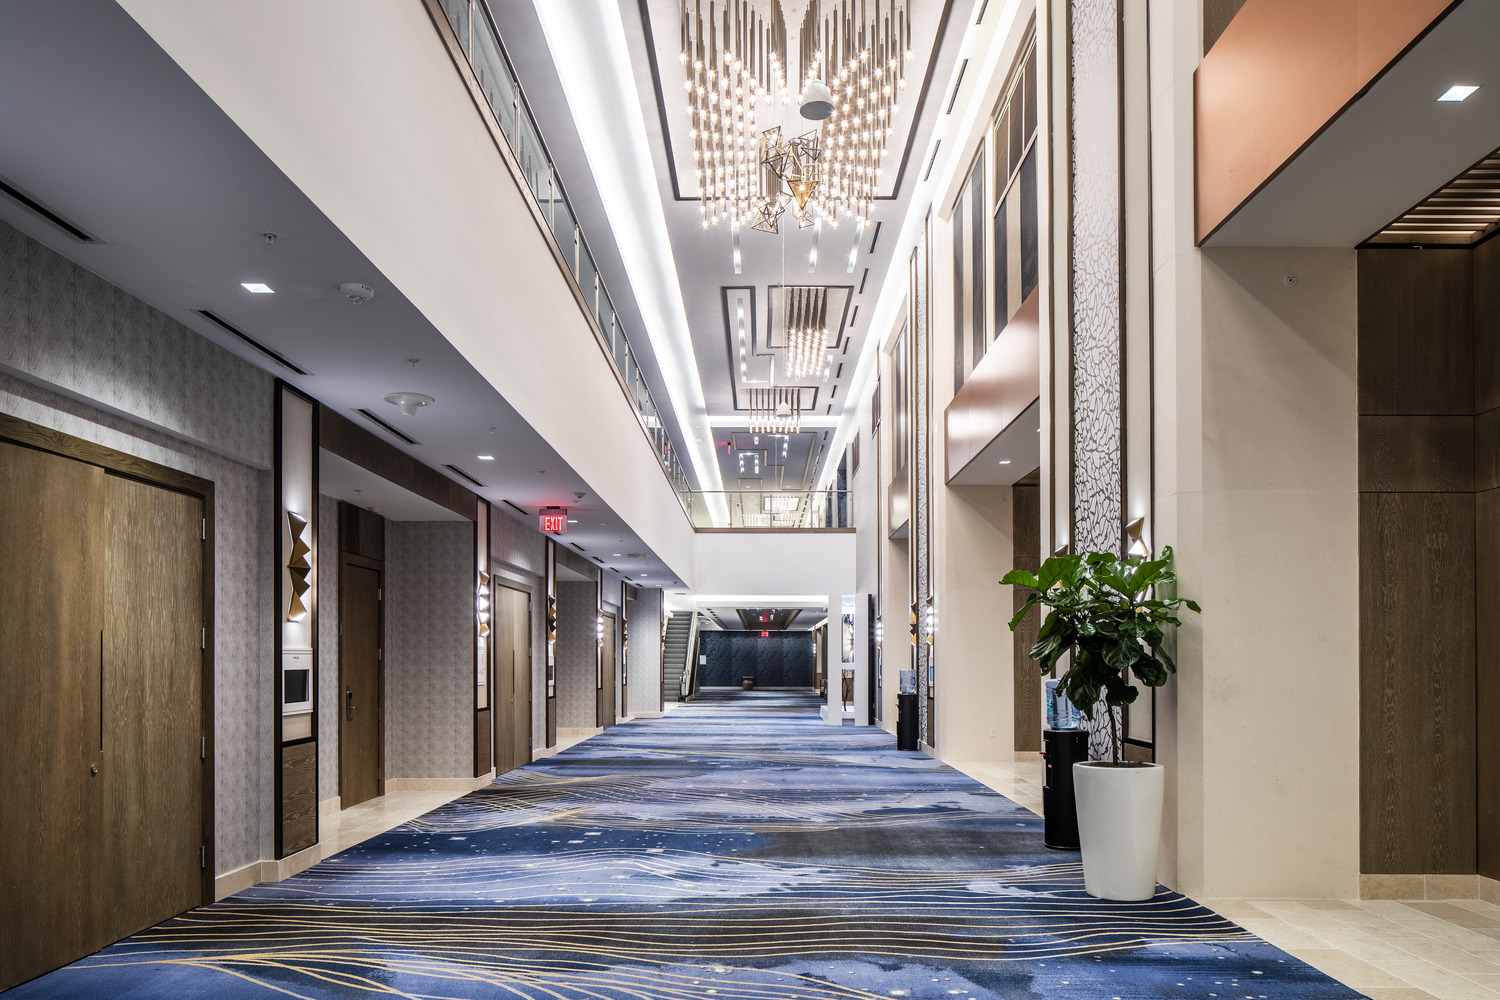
(499, 86)
(771, 510)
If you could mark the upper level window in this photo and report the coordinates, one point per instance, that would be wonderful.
(1014, 230)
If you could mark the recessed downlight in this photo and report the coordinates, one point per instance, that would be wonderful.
(257, 288)
(485, 458)
(1458, 92)
(1005, 461)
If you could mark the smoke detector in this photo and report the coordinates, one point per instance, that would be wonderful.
(356, 291)
(410, 402)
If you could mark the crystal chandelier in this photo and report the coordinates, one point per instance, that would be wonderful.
(806, 332)
(776, 410)
(851, 66)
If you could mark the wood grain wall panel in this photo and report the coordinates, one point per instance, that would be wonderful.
(361, 532)
(1486, 265)
(1416, 335)
(482, 730)
(1421, 454)
(1487, 450)
(1417, 727)
(1487, 679)
(299, 791)
(1002, 385)
(1026, 514)
(346, 439)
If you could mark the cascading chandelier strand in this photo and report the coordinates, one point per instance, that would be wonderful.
(749, 170)
(806, 332)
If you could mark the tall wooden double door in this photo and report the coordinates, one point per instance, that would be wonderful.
(512, 706)
(105, 782)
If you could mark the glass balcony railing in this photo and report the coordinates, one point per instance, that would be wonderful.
(480, 42)
(771, 510)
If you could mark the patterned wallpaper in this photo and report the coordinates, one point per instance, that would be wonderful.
(643, 656)
(429, 649)
(577, 654)
(781, 659)
(1095, 239)
(157, 390)
(328, 648)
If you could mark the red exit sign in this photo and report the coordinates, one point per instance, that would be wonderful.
(554, 524)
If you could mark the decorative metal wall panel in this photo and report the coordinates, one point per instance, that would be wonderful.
(1095, 240)
(921, 526)
(781, 659)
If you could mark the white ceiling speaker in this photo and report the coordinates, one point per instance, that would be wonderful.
(410, 402)
(356, 291)
(817, 101)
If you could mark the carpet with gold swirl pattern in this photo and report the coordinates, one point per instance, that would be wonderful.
(737, 849)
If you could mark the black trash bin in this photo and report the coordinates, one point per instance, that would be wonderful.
(1061, 749)
(906, 722)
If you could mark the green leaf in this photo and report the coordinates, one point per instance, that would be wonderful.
(1020, 578)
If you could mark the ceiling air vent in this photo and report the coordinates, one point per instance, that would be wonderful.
(229, 327)
(29, 202)
(372, 418)
(463, 475)
(957, 85)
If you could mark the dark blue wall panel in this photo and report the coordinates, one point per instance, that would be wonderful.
(781, 659)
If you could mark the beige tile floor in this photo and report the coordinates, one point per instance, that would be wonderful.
(338, 831)
(1386, 949)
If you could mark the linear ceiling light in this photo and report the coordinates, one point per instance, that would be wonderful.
(257, 288)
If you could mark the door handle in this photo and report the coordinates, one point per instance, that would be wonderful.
(348, 704)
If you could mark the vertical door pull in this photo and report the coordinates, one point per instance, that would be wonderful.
(348, 704)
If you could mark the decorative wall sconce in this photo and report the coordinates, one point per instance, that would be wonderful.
(879, 633)
(1134, 545)
(931, 620)
(482, 604)
(914, 626)
(298, 566)
(551, 620)
(599, 630)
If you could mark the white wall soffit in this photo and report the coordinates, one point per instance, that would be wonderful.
(587, 41)
(361, 107)
(989, 47)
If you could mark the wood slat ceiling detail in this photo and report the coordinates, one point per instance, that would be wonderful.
(1461, 213)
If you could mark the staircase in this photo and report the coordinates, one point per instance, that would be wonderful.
(675, 653)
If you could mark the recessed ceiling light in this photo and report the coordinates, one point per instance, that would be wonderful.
(572, 520)
(261, 288)
(616, 555)
(1458, 92)
(1005, 461)
(485, 458)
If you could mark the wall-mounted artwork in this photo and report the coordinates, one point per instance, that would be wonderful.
(298, 566)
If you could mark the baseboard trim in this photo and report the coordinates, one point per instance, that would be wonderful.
(1419, 886)
(581, 731)
(266, 871)
(1028, 756)
(330, 807)
(438, 784)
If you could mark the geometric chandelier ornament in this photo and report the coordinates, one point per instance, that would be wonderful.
(850, 62)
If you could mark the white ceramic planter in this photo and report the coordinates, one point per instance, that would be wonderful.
(1119, 828)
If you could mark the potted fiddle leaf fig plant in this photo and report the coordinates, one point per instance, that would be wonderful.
(1109, 612)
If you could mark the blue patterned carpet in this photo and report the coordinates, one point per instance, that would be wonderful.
(736, 849)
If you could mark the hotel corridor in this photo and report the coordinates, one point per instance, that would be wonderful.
(736, 847)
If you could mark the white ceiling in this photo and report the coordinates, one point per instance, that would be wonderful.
(704, 259)
(103, 128)
(1390, 149)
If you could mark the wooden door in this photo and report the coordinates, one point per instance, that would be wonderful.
(153, 689)
(361, 687)
(513, 678)
(51, 666)
(607, 676)
(103, 791)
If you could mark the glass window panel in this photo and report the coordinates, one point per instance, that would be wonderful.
(976, 260)
(1016, 139)
(587, 277)
(494, 79)
(1029, 104)
(1001, 232)
(1029, 256)
(1002, 143)
(458, 16)
(565, 231)
(960, 367)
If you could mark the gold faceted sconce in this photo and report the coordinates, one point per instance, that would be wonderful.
(297, 566)
(551, 620)
(482, 604)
